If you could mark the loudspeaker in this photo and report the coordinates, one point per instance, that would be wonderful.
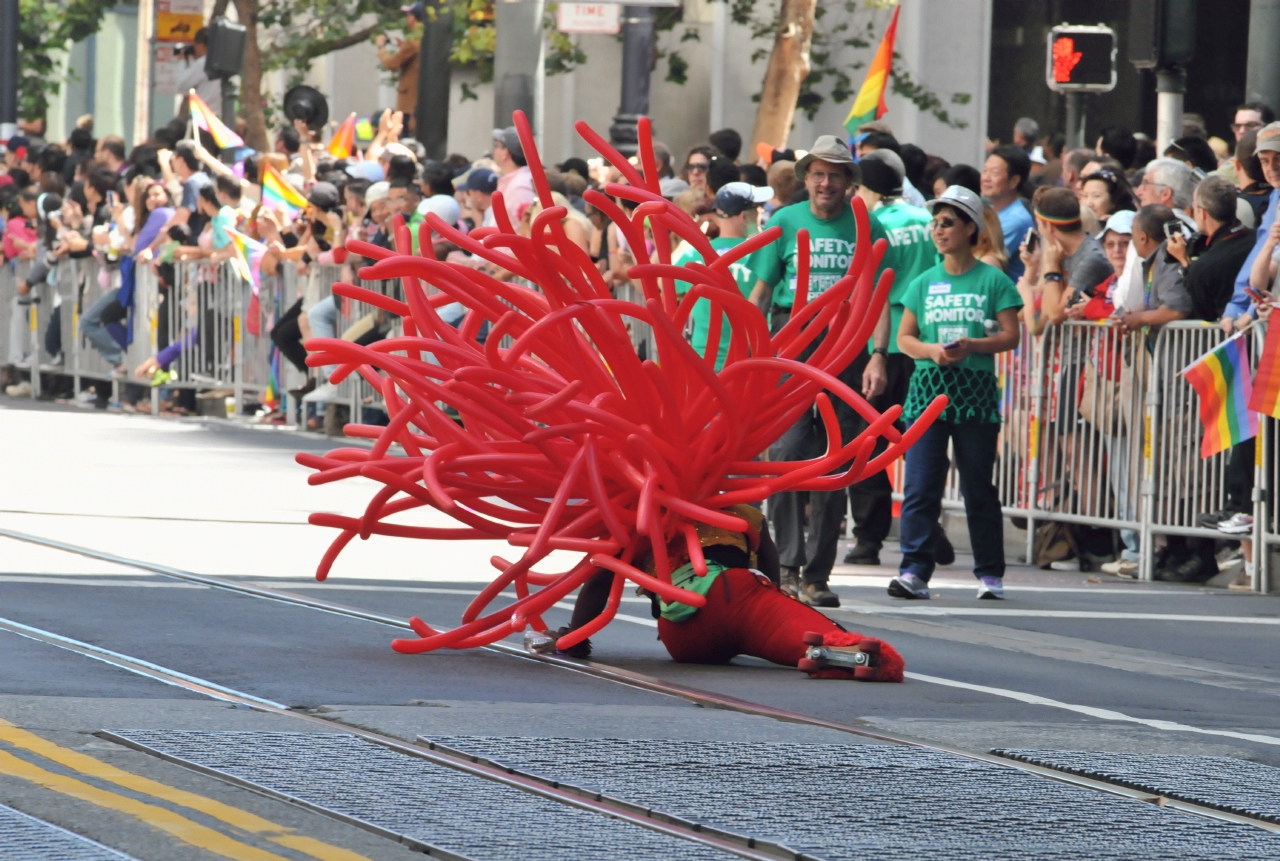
(226, 49)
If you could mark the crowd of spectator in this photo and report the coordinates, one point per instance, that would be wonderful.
(1035, 236)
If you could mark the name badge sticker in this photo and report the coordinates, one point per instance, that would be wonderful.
(940, 288)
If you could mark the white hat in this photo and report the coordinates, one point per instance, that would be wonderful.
(442, 205)
(961, 198)
(377, 191)
(1121, 222)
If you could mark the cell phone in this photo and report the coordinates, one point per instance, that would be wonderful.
(950, 345)
(111, 199)
(1033, 241)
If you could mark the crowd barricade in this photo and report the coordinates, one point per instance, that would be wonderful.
(1099, 426)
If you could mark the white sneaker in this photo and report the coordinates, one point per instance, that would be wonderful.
(18, 390)
(322, 394)
(87, 399)
(1237, 524)
(1120, 568)
(991, 588)
(1065, 565)
(908, 585)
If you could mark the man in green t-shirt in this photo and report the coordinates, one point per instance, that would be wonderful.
(736, 206)
(828, 172)
(909, 251)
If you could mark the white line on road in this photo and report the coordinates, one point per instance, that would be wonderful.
(1012, 613)
(107, 580)
(1092, 711)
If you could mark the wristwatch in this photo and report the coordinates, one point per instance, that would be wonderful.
(1052, 276)
(882, 351)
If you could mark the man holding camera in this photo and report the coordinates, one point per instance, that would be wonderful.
(194, 77)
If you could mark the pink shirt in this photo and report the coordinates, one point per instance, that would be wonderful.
(517, 192)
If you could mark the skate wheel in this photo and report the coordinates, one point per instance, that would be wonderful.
(811, 638)
(866, 674)
(808, 665)
(870, 645)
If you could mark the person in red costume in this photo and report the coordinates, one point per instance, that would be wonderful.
(745, 614)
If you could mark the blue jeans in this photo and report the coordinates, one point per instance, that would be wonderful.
(324, 324)
(92, 327)
(925, 478)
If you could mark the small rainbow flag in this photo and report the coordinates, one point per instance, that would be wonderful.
(344, 139)
(1266, 383)
(277, 192)
(206, 119)
(248, 262)
(869, 105)
(1221, 379)
(272, 397)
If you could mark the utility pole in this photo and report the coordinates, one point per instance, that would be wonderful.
(1171, 86)
(517, 58)
(1262, 73)
(142, 71)
(431, 122)
(637, 58)
(8, 68)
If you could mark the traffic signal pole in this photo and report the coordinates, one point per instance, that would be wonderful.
(8, 68)
(1171, 85)
(637, 57)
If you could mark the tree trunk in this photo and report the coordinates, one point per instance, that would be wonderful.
(251, 100)
(788, 67)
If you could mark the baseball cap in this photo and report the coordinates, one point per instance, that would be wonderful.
(369, 170)
(670, 186)
(416, 10)
(323, 195)
(442, 205)
(882, 172)
(481, 179)
(734, 198)
(1268, 138)
(396, 148)
(1121, 222)
(828, 148)
(18, 145)
(377, 191)
(510, 139)
(961, 198)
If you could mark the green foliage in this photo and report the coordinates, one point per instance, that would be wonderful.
(838, 27)
(46, 28)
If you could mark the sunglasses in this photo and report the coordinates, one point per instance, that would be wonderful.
(1244, 127)
(698, 165)
(945, 223)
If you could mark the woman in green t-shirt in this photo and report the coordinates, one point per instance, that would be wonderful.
(956, 316)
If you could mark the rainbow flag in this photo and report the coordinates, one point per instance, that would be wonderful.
(277, 192)
(1221, 379)
(204, 118)
(272, 397)
(248, 263)
(1266, 383)
(869, 105)
(344, 139)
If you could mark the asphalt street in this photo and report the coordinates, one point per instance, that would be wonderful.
(1070, 662)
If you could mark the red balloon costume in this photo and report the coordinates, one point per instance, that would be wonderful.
(566, 440)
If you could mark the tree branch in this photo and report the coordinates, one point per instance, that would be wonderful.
(319, 49)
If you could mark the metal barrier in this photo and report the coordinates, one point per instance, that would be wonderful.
(1100, 428)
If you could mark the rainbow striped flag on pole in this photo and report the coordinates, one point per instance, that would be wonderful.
(248, 263)
(204, 117)
(869, 105)
(1266, 383)
(278, 193)
(1221, 379)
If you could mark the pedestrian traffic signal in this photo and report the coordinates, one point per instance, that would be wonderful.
(1162, 33)
(1081, 59)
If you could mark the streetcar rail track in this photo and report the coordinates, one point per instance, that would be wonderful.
(629, 678)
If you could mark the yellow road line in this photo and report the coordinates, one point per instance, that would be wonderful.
(166, 820)
(234, 816)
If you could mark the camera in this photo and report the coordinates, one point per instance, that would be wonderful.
(1178, 228)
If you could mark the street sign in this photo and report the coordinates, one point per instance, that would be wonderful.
(178, 20)
(1081, 59)
(600, 18)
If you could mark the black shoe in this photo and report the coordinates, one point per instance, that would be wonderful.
(862, 554)
(577, 650)
(1212, 519)
(305, 389)
(943, 552)
(1193, 570)
(818, 595)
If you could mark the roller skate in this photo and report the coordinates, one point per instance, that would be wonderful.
(846, 655)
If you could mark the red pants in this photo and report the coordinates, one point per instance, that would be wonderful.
(747, 615)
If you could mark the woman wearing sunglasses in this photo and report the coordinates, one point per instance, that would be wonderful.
(1106, 192)
(956, 316)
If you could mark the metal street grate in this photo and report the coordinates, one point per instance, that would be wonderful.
(25, 838)
(861, 802)
(410, 797)
(1221, 782)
